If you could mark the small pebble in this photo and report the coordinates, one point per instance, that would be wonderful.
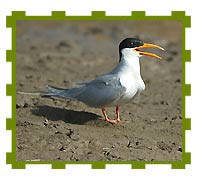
(46, 122)
(180, 149)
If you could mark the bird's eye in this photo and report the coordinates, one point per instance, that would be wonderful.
(131, 44)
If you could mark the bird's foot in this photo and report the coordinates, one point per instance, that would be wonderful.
(119, 120)
(112, 121)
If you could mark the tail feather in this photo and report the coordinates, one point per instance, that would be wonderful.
(73, 93)
(62, 93)
(54, 89)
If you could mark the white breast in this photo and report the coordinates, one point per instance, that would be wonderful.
(133, 88)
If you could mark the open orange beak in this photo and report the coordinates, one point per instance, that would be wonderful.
(146, 45)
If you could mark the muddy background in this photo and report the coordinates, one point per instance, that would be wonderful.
(61, 53)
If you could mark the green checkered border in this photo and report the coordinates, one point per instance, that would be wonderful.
(96, 15)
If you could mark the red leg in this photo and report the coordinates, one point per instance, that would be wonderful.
(118, 118)
(117, 112)
(106, 117)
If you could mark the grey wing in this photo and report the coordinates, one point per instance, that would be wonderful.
(81, 84)
(102, 91)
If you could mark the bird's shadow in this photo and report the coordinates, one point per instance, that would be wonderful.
(68, 116)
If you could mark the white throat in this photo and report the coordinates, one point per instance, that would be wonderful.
(129, 64)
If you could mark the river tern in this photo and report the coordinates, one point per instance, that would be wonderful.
(113, 89)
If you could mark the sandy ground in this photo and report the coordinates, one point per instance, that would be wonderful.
(61, 53)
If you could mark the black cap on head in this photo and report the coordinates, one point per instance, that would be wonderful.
(129, 43)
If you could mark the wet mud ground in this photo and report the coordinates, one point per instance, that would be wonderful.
(61, 53)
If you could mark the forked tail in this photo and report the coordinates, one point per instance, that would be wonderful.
(62, 93)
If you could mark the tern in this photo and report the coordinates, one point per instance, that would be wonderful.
(113, 89)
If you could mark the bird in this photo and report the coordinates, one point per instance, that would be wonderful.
(115, 88)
